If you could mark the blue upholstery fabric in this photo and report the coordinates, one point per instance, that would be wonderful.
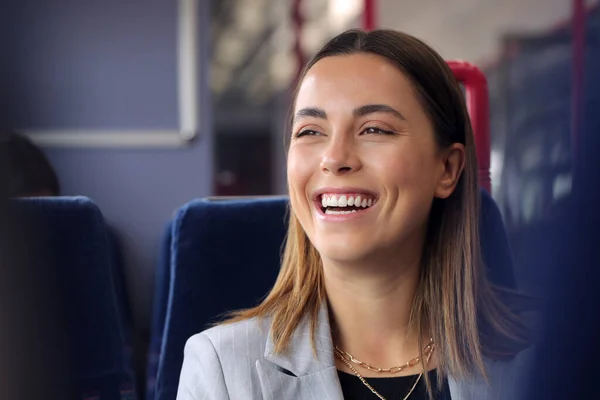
(119, 281)
(72, 235)
(495, 248)
(162, 281)
(226, 256)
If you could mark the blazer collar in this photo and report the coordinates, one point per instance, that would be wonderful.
(299, 358)
(301, 373)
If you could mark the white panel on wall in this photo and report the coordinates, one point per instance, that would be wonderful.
(470, 29)
(106, 74)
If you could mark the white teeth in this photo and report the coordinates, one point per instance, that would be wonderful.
(332, 200)
(333, 212)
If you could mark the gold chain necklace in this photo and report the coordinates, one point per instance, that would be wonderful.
(340, 355)
(392, 370)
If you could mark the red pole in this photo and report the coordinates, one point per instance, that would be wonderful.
(578, 70)
(479, 111)
(297, 22)
(369, 18)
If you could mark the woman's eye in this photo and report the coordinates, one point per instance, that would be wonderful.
(373, 130)
(307, 132)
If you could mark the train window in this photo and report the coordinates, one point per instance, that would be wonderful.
(533, 199)
(256, 56)
(562, 186)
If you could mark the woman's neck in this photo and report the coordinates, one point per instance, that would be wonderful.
(370, 311)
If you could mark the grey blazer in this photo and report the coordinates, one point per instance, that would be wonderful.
(237, 362)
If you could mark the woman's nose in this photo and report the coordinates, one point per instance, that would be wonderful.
(340, 157)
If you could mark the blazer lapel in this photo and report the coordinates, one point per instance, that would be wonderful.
(299, 373)
(277, 385)
(507, 380)
(500, 386)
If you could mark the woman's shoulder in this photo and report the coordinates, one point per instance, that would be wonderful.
(246, 338)
(505, 379)
(217, 360)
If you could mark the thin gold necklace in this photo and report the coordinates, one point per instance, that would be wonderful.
(340, 355)
(392, 370)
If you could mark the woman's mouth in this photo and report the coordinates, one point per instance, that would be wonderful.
(346, 203)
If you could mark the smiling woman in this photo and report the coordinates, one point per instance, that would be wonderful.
(381, 292)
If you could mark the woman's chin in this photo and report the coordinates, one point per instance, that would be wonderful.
(345, 253)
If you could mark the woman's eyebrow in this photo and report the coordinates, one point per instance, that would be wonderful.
(314, 112)
(310, 112)
(376, 108)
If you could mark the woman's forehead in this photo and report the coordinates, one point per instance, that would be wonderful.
(348, 81)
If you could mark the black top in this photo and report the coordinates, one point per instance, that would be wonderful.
(395, 388)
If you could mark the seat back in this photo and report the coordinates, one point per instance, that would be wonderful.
(162, 281)
(72, 235)
(495, 248)
(226, 256)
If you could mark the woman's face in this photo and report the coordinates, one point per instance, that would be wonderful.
(363, 163)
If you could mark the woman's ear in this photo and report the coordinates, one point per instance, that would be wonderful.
(453, 159)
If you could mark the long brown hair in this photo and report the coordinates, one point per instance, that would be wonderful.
(454, 300)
